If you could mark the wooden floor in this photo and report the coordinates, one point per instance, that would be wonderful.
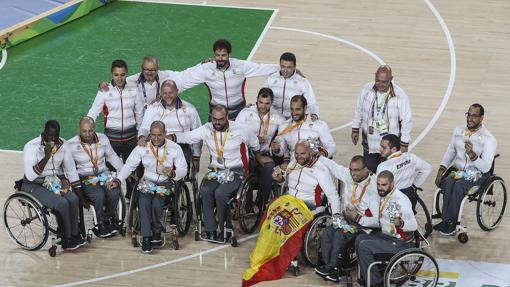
(405, 34)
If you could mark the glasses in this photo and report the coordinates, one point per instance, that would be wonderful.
(474, 116)
(382, 82)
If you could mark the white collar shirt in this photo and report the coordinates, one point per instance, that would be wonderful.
(265, 127)
(407, 168)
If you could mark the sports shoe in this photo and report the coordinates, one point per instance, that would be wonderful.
(323, 270)
(78, 240)
(221, 236)
(104, 231)
(156, 240)
(439, 226)
(68, 244)
(448, 228)
(146, 245)
(211, 235)
(334, 275)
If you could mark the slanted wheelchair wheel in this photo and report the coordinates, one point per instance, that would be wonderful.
(251, 206)
(312, 240)
(423, 218)
(182, 209)
(411, 267)
(439, 204)
(25, 220)
(491, 205)
(133, 219)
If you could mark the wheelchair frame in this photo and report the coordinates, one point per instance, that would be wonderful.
(484, 190)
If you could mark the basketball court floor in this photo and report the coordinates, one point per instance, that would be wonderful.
(446, 55)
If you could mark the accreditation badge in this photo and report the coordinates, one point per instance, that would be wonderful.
(371, 130)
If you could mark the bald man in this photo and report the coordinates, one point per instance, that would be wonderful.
(307, 178)
(164, 164)
(90, 151)
(382, 108)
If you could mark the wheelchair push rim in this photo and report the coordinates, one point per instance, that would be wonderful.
(26, 222)
(312, 239)
(250, 214)
(491, 205)
(411, 267)
(183, 209)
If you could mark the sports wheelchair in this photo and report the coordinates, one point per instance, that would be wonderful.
(409, 267)
(491, 200)
(29, 223)
(176, 217)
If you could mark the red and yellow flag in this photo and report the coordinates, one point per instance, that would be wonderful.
(280, 239)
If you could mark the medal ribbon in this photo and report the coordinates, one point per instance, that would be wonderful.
(161, 160)
(290, 127)
(355, 201)
(386, 200)
(266, 127)
(219, 150)
(93, 159)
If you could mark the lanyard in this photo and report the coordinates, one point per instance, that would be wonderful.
(290, 127)
(159, 161)
(91, 155)
(395, 155)
(266, 127)
(355, 201)
(145, 93)
(219, 150)
(383, 104)
(386, 200)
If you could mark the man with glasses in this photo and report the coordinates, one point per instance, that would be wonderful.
(382, 108)
(471, 152)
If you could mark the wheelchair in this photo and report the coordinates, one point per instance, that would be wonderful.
(29, 223)
(176, 217)
(491, 200)
(409, 267)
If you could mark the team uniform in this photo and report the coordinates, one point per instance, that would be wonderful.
(149, 93)
(229, 154)
(181, 117)
(408, 170)
(290, 132)
(309, 182)
(154, 159)
(391, 239)
(484, 145)
(284, 89)
(378, 114)
(356, 194)
(60, 164)
(226, 87)
(123, 113)
(90, 160)
(264, 127)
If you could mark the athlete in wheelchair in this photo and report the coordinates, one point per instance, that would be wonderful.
(335, 253)
(48, 168)
(470, 157)
(228, 144)
(164, 164)
(262, 121)
(178, 116)
(394, 217)
(308, 179)
(90, 152)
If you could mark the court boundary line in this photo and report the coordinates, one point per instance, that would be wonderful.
(202, 4)
(436, 116)
(4, 58)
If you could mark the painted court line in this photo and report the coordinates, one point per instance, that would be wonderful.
(201, 4)
(159, 265)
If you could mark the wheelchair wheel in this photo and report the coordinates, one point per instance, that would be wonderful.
(491, 205)
(182, 210)
(251, 206)
(118, 219)
(312, 240)
(133, 220)
(439, 203)
(26, 222)
(423, 218)
(411, 267)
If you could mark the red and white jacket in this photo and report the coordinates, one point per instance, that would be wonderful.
(308, 182)
(226, 87)
(122, 109)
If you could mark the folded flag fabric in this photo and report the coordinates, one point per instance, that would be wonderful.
(280, 239)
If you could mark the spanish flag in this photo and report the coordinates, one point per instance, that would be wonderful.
(280, 239)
